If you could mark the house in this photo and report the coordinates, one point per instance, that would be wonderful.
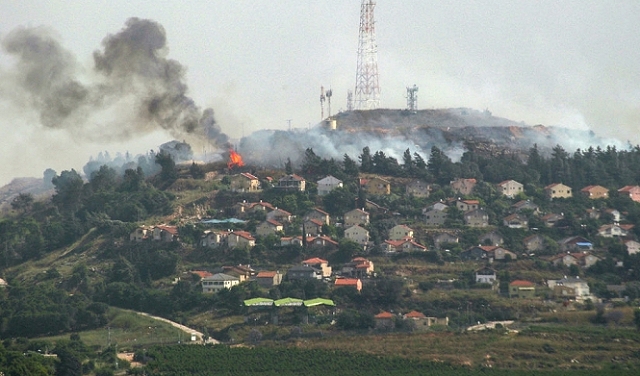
(463, 186)
(358, 267)
(444, 238)
(400, 232)
(217, 282)
(491, 238)
(522, 289)
(140, 233)
(516, 220)
(610, 231)
(244, 182)
(632, 191)
(476, 218)
(322, 242)
(582, 259)
(422, 321)
(403, 245)
(3, 283)
(534, 243)
(370, 205)
(593, 213)
(525, 205)
(500, 253)
(510, 188)
(299, 272)
(291, 182)
(436, 217)
(349, 282)
(280, 215)
(268, 279)
(294, 240)
(467, 205)
(418, 188)
(376, 186)
(558, 190)
(575, 243)
(240, 239)
(357, 234)
(356, 217)
(440, 206)
(328, 184)
(486, 275)
(318, 214)
(612, 214)
(595, 192)
(202, 273)
(213, 239)
(480, 252)
(313, 227)
(320, 264)
(244, 207)
(269, 227)
(384, 320)
(242, 272)
(487, 252)
(569, 287)
(165, 233)
(632, 246)
(551, 219)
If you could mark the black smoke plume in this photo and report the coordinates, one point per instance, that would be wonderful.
(132, 89)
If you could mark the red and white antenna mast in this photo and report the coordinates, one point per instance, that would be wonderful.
(367, 93)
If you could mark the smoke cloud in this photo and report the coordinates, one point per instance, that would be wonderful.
(132, 89)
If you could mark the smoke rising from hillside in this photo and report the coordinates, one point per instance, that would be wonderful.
(132, 89)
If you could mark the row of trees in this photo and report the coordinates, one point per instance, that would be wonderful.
(609, 167)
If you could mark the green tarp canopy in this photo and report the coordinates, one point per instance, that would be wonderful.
(258, 302)
(318, 301)
(288, 302)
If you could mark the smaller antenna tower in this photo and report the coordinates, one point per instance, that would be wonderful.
(349, 100)
(322, 98)
(328, 94)
(412, 98)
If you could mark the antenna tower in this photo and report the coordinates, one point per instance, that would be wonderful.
(412, 98)
(328, 94)
(367, 87)
(322, 97)
(349, 100)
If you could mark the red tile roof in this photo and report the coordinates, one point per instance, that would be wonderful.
(384, 315)
(415, 315)
(201, 273)
(521, 283)
(266, 274)
(347, 282)
(315, 260)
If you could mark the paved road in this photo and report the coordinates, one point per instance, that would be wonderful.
(489, 325)
(186, 329)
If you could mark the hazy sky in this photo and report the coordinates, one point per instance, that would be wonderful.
(259, 63)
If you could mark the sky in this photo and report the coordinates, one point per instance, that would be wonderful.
(260, 64)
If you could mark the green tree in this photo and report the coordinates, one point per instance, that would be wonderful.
(68, 191)
(22, 202)
(196, 171)
(366, 161)
(168, 173)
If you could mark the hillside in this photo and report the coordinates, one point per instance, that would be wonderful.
(130, 241)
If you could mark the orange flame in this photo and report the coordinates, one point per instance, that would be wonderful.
(234, 159)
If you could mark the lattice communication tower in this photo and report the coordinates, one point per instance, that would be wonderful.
(367, 92)
(412, 98)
